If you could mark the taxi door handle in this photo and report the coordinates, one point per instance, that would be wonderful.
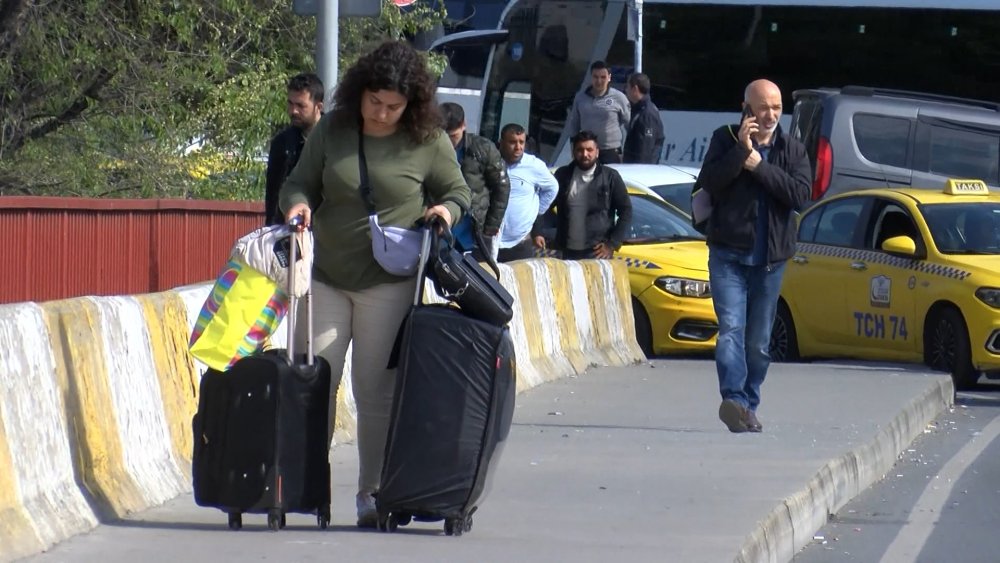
(859, 266)
(799, 259)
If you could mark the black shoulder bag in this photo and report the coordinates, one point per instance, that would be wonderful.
(460, 279)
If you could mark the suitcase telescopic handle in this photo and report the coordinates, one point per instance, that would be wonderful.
(294, 227)
(425, 250)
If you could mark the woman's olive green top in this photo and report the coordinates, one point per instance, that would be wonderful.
(405, 179)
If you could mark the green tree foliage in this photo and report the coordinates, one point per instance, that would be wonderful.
(156, 98)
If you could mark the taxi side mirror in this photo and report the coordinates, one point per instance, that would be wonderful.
(900, 246)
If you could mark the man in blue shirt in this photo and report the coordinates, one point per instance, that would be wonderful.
(532, 190)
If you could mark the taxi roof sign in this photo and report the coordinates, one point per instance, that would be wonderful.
(966, 187)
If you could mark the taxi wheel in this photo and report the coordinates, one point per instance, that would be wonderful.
(784, 343)
(946, 348)
(643, 328)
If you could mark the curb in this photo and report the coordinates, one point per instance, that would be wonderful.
(790, 526)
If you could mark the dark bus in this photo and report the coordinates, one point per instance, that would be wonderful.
(700, 55)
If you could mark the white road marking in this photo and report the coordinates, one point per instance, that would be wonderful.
(923, 517)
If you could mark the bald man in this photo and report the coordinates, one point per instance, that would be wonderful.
(756, 177)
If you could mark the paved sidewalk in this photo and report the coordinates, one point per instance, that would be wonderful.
(621, 463)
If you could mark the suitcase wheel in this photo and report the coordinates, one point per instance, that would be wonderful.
(456, 526)
(235, 520)
(453, 527)
(389, 522)
(275, 520)
(323, 517)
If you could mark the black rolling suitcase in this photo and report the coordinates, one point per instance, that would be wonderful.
(260, 434)
(451, 414)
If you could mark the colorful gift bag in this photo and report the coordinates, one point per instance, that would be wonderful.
(243, 309)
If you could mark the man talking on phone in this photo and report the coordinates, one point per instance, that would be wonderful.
(757, 177)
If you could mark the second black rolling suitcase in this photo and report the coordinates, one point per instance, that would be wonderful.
(451, 414)
(261, 439)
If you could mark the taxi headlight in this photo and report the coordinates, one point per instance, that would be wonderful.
(683, 287)
(990, 296)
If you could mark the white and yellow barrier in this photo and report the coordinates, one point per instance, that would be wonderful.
(97, 393)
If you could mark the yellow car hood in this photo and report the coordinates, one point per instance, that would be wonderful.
(986, 264)
(686, 255)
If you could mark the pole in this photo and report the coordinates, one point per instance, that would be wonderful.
(638, 35)
(327, 39)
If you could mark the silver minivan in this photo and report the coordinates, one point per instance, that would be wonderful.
(859, 137)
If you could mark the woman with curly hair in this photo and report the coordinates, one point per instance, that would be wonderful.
(384, 106)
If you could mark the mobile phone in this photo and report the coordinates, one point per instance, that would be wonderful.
(747, 112)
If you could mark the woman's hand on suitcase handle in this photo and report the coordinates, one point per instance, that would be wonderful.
(437, 211)
(299, 210)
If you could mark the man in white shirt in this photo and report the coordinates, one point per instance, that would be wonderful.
(532, 190)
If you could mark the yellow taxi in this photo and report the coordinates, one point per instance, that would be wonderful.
(907, 275)
(667, 262)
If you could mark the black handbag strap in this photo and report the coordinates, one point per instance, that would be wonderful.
(365, 188)
(448, 239)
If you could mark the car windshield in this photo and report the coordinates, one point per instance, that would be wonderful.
(964, 228)
(654, 221)
(678, 195)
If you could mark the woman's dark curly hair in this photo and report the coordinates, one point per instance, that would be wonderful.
(397, 66)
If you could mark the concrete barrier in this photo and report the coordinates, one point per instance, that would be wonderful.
(97, 393)
(41, 502)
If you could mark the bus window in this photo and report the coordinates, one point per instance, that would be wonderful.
(465, 15)
(550, 47)
(804, 46)
(516, 104)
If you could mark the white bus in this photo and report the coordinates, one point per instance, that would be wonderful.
(700, 55)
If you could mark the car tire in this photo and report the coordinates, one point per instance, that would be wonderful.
(946, 347)
(784, 342)
(643, 328)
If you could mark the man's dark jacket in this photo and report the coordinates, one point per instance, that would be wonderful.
(485, 173)
(785, 177)
(286, 147)
(608, 199)
(644, 139)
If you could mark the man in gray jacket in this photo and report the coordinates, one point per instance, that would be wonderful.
(603, 110)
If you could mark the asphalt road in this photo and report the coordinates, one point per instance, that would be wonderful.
(619, 464)
(941, 502)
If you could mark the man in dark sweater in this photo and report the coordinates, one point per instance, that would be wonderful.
(757, 178)
(305, 107)
(644, 138)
